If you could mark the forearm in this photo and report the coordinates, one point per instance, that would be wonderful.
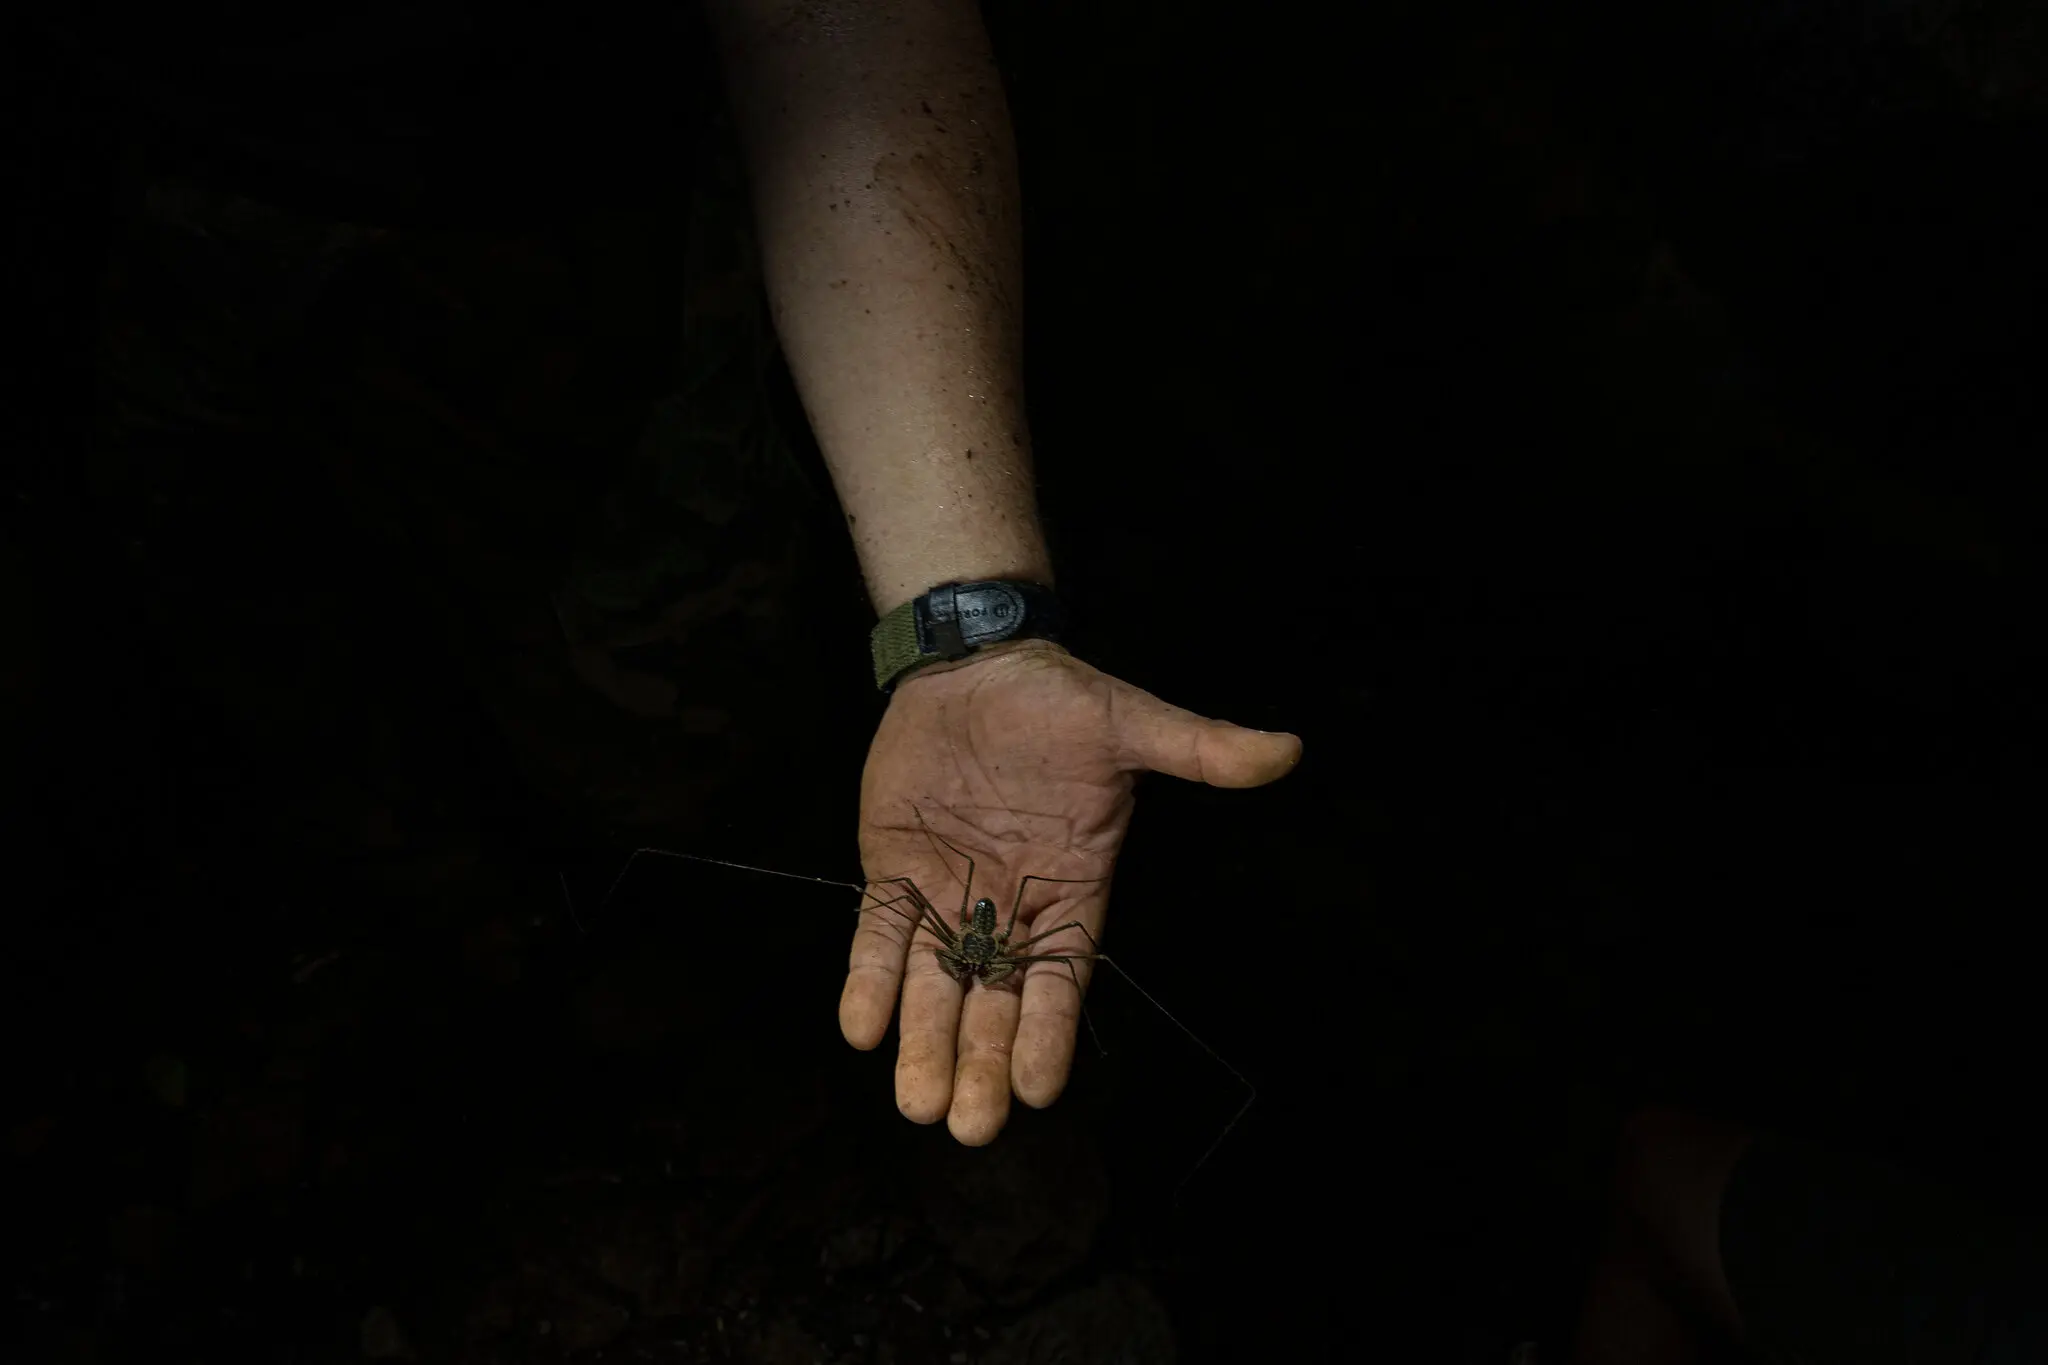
(885, 191)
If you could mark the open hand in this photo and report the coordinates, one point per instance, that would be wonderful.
(1023, 758)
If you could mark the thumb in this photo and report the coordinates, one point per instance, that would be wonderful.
(1160, 738)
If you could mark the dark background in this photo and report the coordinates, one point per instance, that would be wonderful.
(1609, 440)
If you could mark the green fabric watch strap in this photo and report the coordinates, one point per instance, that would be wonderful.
(954, 619)
(893, 642)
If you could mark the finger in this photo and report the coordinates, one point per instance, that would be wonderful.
(981, 1080)
(1167, 739)
(874, 969)
(1050, 1016)
(929, 1025)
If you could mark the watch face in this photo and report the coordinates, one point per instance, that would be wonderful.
(953, 620)
(958, 617)
(994, 612)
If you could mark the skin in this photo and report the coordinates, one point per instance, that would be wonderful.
(884, 177)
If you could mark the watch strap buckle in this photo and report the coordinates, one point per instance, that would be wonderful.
(952, 620)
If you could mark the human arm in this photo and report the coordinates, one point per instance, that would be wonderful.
(885, 195)
(884, 181)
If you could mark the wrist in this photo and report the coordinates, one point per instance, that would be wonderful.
(983, 655)
(952, 622)
(891, 586)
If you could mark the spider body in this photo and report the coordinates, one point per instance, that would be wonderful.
(977, 949)
(981, 949)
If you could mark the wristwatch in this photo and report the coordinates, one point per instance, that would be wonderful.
(955, 619)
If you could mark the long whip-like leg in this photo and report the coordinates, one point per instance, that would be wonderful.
(1251, 1091)
(926, 914)
(613, 889)
(967, 886)
(1018, 904)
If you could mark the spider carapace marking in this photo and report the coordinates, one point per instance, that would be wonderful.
(981, 947)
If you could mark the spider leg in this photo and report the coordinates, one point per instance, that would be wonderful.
(912, 895)
(1065, 959)
(925, 915)
(1081, 996)
(909, 919)
(1251, 1091)
(946, 950)
(1018, 904)
(966, 887)
(638, 853)
(1094, 948)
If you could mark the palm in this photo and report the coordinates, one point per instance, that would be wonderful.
(1025, 764)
